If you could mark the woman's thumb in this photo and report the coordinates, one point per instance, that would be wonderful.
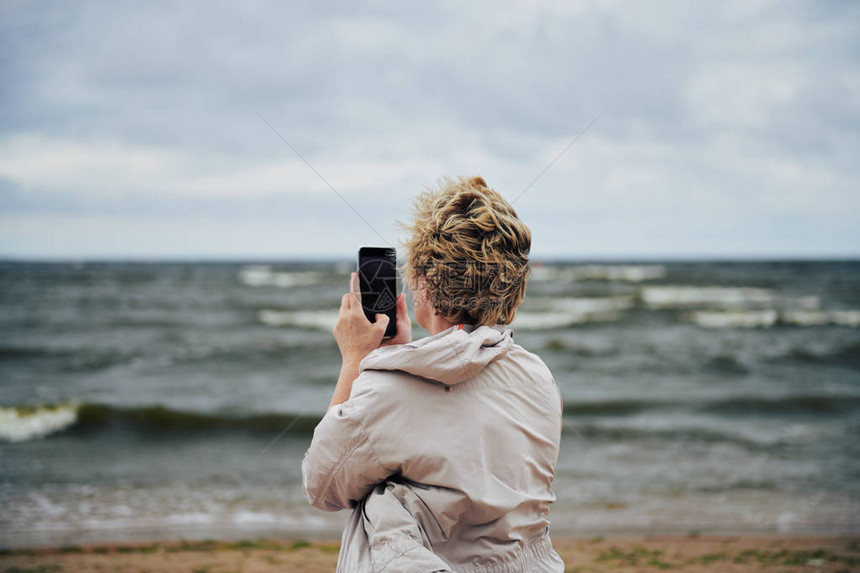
(382, 319)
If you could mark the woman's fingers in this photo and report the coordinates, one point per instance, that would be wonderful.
(381, 324)
(402, 309)
(357, 308)
(404, 324)
(355, 292)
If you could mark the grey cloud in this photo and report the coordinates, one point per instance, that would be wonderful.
(493, 88)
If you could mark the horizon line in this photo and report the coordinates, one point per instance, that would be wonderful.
(548, 258)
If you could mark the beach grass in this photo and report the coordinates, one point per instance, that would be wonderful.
(623, 554)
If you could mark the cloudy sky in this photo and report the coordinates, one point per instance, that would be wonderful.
(142, 129)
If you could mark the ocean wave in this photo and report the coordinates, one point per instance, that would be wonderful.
(263, 275)
(315, 319)
(547, 314)
(555, 320)
(16, 352)
(621, 407)
(786, 405)
(693, 434)
(812, 318)
(727, 365)
(577, 349)
(582, 305)
(552, 313)
(789, 405)
(20, 423)
(160, 420)
(679, 296)
(846, 356)
(768, 318)
(734, 318)
(764, 437)
(626, 273)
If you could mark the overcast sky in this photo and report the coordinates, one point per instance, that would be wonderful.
(139, 129)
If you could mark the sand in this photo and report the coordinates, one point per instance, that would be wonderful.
(619, 554)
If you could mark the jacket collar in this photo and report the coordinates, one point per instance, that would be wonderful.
(450, 357)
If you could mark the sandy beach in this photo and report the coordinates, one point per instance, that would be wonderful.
(693, 554)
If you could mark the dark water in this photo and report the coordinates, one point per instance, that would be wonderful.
(147, 400)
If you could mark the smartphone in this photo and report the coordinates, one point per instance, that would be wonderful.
(377, 279)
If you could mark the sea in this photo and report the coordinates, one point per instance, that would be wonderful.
(175, 400)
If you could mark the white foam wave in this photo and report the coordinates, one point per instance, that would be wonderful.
(812, 318)
(263, 275)
(551, 313)
(551, 320)
(767, 318)
(627, 273)
(658, 297)
(317, 319)
(19, 424)
(761, 432)
(735, 319)
(582, 305)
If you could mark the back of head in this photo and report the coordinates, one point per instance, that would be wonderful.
(472, 249)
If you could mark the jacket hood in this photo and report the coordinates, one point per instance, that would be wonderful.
(449, 357)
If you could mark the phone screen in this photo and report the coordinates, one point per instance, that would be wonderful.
(377, 278)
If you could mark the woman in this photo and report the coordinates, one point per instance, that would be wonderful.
(445, 447)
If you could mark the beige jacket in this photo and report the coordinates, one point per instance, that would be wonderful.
(445, 450)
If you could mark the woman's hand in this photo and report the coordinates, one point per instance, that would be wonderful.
(404, 324)
(356, 336)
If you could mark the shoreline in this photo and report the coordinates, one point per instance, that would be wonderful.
(623, 553)
(48, 539)
(51, 538)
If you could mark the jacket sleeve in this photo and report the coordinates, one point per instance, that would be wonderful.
(341, 467)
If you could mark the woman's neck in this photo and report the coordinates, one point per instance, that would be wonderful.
(438, 324)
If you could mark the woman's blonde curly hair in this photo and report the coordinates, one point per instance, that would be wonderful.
(472, 249)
